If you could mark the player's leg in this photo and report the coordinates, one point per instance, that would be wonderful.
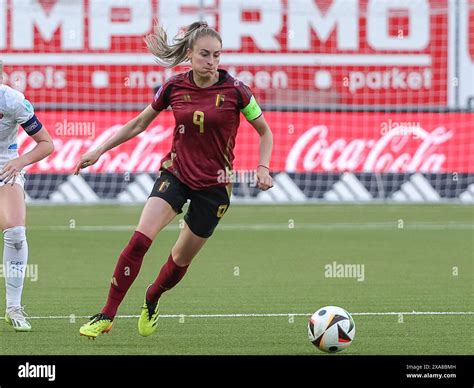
(15, 251)
(206, 209)
(185, 249)
(157, 213)
(183, 252)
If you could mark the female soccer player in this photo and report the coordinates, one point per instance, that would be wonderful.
(206, 103)
(14, 110)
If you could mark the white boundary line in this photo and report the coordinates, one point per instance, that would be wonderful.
(263, 315)
(277, 226)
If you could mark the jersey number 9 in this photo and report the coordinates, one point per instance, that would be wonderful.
(198, 119)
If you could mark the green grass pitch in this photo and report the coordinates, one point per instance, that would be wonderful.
(261, 260)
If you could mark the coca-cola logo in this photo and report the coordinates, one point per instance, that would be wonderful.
(391, 152)
(143, 153)
(329, 142)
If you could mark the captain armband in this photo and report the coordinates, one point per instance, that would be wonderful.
(32, 126)
(252, 111)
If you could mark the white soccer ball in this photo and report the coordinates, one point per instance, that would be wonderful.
(331, 329)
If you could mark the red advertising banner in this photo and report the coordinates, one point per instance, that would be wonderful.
(305, 51)
(303, 142)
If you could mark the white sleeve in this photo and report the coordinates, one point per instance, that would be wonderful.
(22, 112)
(20, 108)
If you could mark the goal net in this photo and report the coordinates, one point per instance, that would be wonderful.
(368, 100)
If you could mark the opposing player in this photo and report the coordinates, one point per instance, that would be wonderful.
(14, 110)
(206, 103)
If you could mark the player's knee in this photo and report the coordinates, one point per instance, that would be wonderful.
(177, 257)
(147, 231)
(15, 237)
(138, 245)
(180, 259)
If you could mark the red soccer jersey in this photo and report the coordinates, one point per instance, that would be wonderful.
(207, 120)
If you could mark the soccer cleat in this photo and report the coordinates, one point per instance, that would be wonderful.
(99, 324)
(16, 317)
(148, 317)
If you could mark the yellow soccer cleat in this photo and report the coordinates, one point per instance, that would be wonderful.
(17, 317)
(99, 324)
(148, 318)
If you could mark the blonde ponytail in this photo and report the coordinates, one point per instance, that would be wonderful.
(172, 55)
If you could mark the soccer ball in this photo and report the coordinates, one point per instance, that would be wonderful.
(331, 329)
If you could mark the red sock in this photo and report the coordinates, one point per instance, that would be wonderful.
(126, 271)
(169, 276)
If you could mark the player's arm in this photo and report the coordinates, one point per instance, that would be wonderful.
(44, 147)
(264, 180)
(133, 128)
(24, 114)
(253, 113)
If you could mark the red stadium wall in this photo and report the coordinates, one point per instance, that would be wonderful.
(304, 142)
(362, 52)
(84, 66)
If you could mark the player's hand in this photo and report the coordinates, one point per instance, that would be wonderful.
(264, 180)
(86, 160)
(11, 170)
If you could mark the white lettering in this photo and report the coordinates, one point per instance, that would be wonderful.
(313, 151)
(263, 31)
(173, 17)
(419, 25)
(28, 14)
(335, 270)
(390, 79)
(339, 22)
(37, 371)
(342, 14)
(277, 79)
(37, 79)
(102, 28)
